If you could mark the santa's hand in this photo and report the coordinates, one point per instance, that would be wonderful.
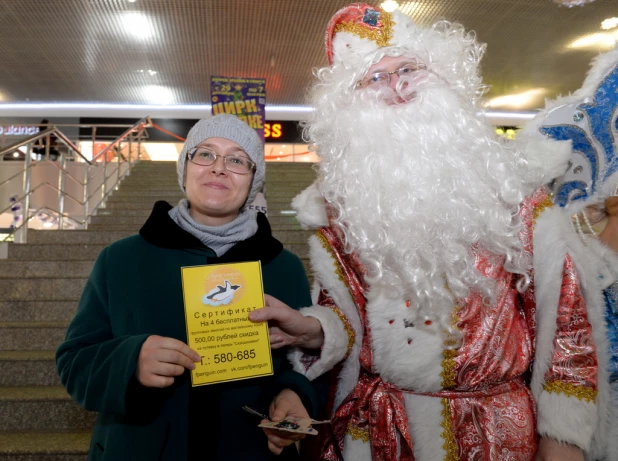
(161, 359)
(287, 326)
(552, 450)
(287, 403)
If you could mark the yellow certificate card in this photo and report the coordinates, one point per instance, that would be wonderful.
(218, 299)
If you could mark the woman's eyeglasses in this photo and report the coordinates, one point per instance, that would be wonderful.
(234, 163)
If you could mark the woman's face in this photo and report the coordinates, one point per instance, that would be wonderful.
(216, 194)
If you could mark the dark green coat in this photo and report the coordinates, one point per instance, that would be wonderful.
(135, 291)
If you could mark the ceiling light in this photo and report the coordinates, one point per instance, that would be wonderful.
(571, 3)
(132, 1)
(15, 154)
(609, 23)
(48, 224)
(137, 24)
(389, 6)
(605, 40)
(157, 94)
(516, 101)
(152, 72)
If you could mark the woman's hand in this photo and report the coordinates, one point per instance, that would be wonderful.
(609, 235)
(161, 359)
(287, 326)
(287, 403)
(552, 450)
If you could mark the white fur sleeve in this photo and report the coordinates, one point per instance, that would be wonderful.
(567, 411)
(334, 349)
(340, 322)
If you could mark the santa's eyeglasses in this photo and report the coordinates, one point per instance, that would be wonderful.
(380, 79)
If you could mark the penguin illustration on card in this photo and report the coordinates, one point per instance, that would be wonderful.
(220, 295)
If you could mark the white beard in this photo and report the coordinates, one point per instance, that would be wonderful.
(415, 187)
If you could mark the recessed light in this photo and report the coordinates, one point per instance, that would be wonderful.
(137, 24)
(609, 23)
(157, 94)
(600, 40)
(516, 101)
(389, 6)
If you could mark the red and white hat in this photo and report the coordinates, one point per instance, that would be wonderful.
(360, 29)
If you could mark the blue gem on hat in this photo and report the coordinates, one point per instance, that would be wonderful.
(578, 116)
(371, 17)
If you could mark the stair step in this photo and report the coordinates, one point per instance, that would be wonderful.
(48, 269)
(31, 336)
(42, 289)
(37, 311)
(41, 408)
(28, 368)
(51, 252)
(76, 236)
(44, 446)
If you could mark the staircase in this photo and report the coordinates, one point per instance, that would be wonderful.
(41, 282)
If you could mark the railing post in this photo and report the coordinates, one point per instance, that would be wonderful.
(104, 186)
(23, 237)
(86, 194)
(46, 157)
(118, 153)
(61, 190)
(130, 150)
(139, 145)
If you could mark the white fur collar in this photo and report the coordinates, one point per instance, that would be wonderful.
(310, 208)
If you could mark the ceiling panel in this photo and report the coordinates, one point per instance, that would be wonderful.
(101, 50)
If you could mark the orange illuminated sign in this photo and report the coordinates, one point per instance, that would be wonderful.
(272, 130)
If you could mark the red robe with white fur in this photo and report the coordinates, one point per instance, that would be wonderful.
(404, 394)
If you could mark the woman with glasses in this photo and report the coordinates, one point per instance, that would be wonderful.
(126, 355)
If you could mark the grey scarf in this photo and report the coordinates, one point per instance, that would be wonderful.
(218, 238)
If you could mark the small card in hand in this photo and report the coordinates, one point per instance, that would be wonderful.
(289, 424)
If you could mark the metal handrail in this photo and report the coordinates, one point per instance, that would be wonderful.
(44, 134)
(133, 135)
(14, 176)
(37, 188)
(69, 175)
(144, 121)
(26, 221)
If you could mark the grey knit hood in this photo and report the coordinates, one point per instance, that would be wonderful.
(232, 128)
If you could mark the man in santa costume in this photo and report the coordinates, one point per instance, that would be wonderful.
(424, 294)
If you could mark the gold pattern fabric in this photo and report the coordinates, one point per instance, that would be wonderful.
(450, 444)
(348, 328)
(581, 393)
(542, 206)
(381, 36)
(358, 434)
(326, 245)
(448, 368)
